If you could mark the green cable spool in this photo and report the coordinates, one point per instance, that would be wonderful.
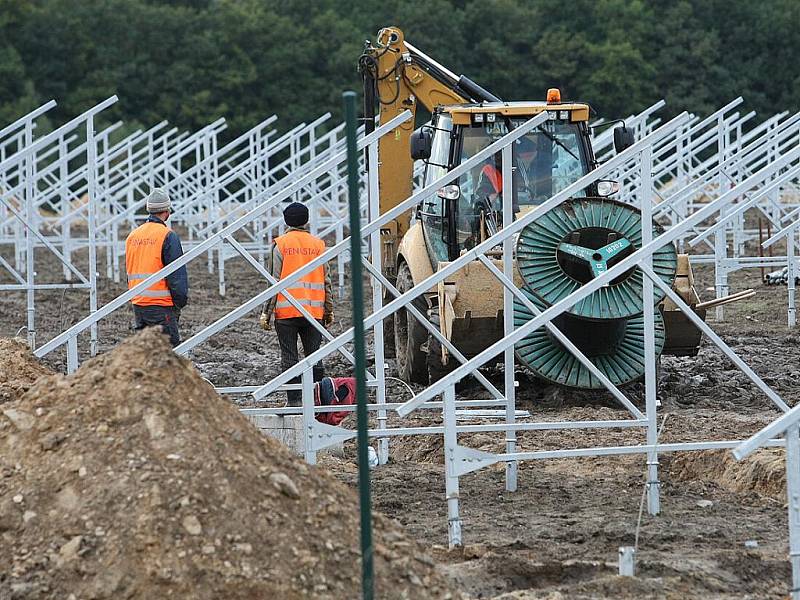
(615, 347)
(581, 238)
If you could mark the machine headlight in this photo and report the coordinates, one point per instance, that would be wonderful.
(607, 188)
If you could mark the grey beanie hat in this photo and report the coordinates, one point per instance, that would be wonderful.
(158, 201)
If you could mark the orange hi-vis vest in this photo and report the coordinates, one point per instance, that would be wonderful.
(142, 259)
(299, 248)
(494, 176)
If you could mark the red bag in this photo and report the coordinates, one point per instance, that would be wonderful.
(334, 391)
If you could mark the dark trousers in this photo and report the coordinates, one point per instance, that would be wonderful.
(166, 316)
(288, 331)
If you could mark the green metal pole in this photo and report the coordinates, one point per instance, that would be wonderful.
(367, 571)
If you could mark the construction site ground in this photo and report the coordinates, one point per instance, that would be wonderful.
(722, 532)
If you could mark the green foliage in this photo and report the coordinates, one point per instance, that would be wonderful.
(193, 61)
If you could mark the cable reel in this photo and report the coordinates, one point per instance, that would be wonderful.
(557, 254)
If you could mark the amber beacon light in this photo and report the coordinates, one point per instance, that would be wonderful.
(553, 96)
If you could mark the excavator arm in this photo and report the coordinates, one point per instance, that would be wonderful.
(398, 77)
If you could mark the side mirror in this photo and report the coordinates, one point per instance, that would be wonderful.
(623, 138)
(421, 143)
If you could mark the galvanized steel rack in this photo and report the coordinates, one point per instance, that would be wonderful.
(697, 177)
(76, 194)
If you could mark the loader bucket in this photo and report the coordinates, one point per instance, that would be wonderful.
(683, 337)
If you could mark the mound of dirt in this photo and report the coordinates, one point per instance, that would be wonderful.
(764, 471)
(19, 369)
(132, 478)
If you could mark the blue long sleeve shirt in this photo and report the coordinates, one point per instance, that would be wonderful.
(178, 282)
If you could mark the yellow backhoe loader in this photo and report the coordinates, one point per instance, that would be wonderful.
(466, 118)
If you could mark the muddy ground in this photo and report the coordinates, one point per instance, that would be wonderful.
(558, 535)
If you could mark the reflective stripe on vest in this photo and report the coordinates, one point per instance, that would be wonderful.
(142, 259)
(494, 176)
(299, 248)
(306, 303)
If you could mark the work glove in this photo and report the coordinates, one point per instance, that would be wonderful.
(327, 320)
(264, 322)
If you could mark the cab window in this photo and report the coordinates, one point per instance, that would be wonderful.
(545, 161)
(434, 209)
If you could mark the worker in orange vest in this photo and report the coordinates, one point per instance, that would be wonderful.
(490, 182)
(489, 189)
(148, 249)
(290, 252)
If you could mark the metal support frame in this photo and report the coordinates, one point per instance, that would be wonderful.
(86, 180)
(263, 206)
(20, 174)
(746, 171)
(445, 386)
(790, 235)
(786, 425)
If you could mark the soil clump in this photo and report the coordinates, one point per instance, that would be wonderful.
(19, 369)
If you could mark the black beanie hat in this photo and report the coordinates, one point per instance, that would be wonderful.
(295, 215)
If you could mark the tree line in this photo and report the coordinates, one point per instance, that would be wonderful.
(192, 61)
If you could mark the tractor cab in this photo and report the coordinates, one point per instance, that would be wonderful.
(545, 161)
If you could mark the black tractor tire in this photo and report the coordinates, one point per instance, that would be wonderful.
(410, 335)
(436, 368)
(388, 329)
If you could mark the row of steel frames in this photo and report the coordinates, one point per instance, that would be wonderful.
(698, 176)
